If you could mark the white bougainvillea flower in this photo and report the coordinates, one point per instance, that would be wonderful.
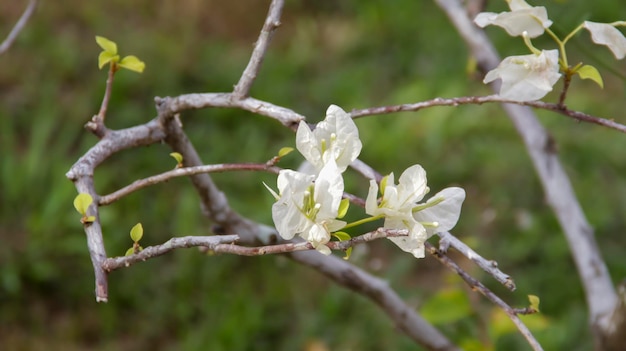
(397, 206)
(606, 34)
(308, 206)
(527, 77)
(400, 207)
(336, 138)
(522, 18)
(442, 210)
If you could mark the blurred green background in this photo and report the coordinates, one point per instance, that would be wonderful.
(352, 53)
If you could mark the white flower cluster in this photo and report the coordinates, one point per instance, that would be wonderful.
(531, 77)
(310, 205)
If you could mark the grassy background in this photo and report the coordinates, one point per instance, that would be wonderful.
(351, 53)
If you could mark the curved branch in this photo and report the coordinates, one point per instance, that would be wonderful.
(379, 291)
(171, 106)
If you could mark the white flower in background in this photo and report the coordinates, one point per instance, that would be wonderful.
(397, 206)
(522, 18)
(400, 207)
(308, 205)
(527, 77)
(335, 138)
(606, 34)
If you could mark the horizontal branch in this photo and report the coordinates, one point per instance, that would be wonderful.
(173, 105)
(225, 244)
(479, 100)
(478, 286)
(111, 264)
(182, 172)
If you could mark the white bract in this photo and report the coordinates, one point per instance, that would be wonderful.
(308, 206)
(399, 206)
(606, 34)
(336, 138)
(522, 18)
(527, 77)
(444, 209)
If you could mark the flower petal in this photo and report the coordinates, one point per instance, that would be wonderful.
(446, 213)
(522, 18)
(527, 77)
(414, 243)
(606, 34)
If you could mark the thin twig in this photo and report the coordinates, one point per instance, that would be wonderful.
(272, 22)
(107, 93)
(226, 244)
(111, 264)
(182, 172)
(478, 100)
(21, 23)
(478, 286)
(488, 266)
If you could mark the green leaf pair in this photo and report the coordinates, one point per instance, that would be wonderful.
(109, 55)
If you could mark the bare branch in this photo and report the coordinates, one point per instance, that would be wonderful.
(21, 23)
(113, 142)
(111, 264)
(182, 172)
(107, 94)
(171, 106)
(377, 290)
(478, 286)
(488, 266)
(272, 22)
(226, 244)
(478, 100)
(214, 203)
(95, 242)
(594, 275)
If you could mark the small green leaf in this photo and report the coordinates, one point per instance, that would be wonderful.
(590, 72)
(106, 57)
(284, 151)
(534, 302)
(343, 208)
(178, 157)
(343, 236)
(107, 45)
(130, 251)
(136, 233)
(82, 202)
(132, 63)
(348, 253)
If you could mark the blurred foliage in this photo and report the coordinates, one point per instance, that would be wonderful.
(351, 53)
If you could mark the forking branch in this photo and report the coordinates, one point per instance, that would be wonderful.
(215, 204)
